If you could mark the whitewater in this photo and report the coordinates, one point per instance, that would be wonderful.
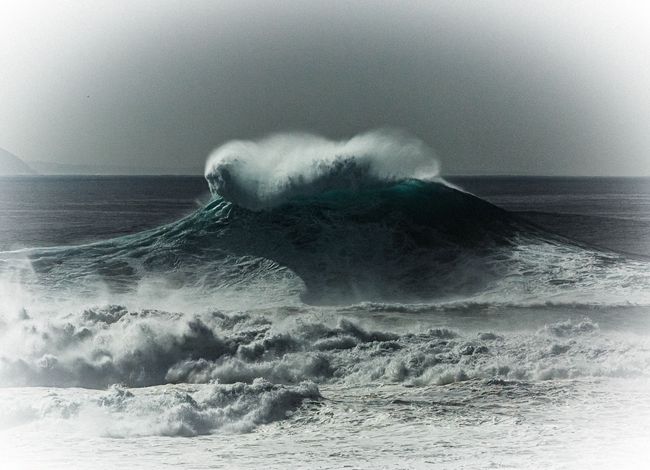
(333, 304)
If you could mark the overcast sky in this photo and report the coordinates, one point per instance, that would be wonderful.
(516, 87)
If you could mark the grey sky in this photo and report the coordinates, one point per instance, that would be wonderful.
(493, 87)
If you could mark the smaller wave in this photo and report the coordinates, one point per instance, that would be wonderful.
(268, 172)
(167, 411)
(148, 348)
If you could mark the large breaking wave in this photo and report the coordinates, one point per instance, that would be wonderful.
(298, 218)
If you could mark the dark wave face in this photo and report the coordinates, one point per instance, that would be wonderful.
(411, 241)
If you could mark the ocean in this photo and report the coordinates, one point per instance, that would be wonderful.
(464, 322)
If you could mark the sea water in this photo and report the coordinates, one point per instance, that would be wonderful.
(488, 323)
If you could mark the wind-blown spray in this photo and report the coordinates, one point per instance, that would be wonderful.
(267, 172)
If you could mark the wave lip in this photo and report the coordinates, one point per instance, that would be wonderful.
(268, 172)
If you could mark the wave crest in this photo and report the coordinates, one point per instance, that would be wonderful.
(268, 172)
